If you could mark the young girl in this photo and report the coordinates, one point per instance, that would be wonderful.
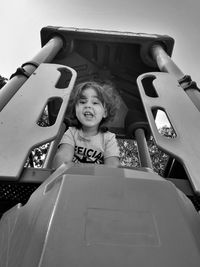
(91, 105)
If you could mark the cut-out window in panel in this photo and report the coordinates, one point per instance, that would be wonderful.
(163, 124)
(64, 79)
(50, 112)
(149, 89)
(44, 118)
(37, 156)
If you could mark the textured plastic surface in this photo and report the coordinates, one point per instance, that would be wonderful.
(19, 129)
(102, 37)
(102, 217)
(183, 116)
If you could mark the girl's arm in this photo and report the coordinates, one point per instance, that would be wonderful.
(112, 161)
(112, 152)
(65, 154)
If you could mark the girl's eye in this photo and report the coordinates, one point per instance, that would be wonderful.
(96, 102)
(82, 101)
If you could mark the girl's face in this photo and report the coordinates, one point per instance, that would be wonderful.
(90, 110)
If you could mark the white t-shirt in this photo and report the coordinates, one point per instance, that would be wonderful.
(93, 149)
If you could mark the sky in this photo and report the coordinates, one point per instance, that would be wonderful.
(22, 20)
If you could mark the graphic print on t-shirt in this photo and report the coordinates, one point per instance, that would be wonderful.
(87, 155)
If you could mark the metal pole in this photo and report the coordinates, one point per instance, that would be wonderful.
(166, 64)
(53, 148)
(144, 156)
(46, 54)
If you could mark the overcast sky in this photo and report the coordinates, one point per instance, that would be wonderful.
(22, 20)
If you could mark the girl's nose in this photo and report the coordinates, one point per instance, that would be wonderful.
(89, 104)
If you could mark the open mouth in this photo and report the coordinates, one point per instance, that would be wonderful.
(88, 114)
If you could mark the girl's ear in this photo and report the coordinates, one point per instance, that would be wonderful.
(105, 113)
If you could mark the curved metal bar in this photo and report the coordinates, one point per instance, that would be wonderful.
(45, 55)
(143, 151)
(166, 64)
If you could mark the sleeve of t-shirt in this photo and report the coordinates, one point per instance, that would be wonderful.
(68, 137)
(111, 146)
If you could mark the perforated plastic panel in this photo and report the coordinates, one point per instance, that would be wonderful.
(169, 96)
(20, 132)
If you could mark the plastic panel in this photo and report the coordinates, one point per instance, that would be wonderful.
(183, 116)
(19, 131)
(131, 218)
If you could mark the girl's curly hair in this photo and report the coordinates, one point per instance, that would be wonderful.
(106, 94)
